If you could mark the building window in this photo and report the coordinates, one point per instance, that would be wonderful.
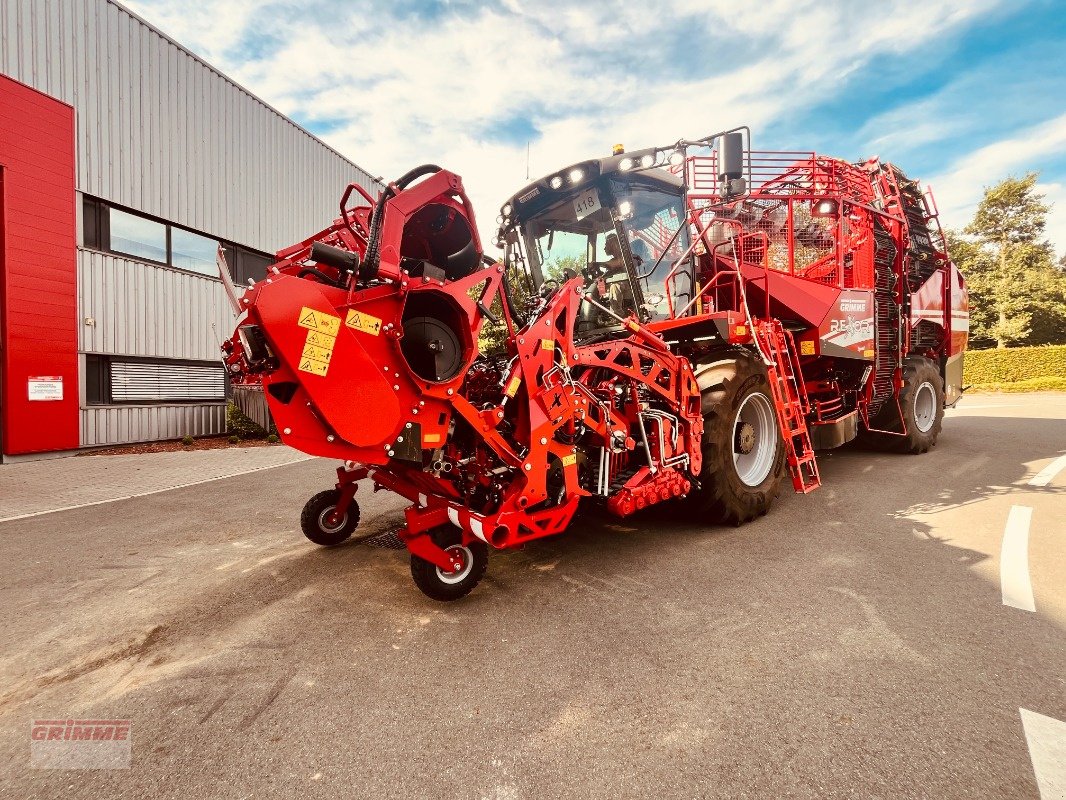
(94, 224)
(97, 380)
(119, 231)
(116, 379)
(137, 236)
(192, 251)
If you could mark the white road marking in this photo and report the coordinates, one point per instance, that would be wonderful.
(1046, 737)
(153, 491)
(1048, 473)
(1014, 560)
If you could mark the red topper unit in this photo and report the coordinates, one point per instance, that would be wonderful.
(668, 326)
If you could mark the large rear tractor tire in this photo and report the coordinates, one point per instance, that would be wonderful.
(922, 402)
(743, 453)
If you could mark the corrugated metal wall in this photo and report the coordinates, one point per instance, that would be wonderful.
(139, 309)
(161, 132)
(120, 424)
(143, 310)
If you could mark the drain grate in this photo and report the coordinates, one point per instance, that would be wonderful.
(386, 541)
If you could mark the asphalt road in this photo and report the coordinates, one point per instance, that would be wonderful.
(853, 643)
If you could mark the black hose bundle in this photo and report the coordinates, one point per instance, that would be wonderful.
(372, 261)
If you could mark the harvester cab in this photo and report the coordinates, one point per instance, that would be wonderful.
(685, 324)
(619, 226)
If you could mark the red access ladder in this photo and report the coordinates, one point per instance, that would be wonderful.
(790, 398)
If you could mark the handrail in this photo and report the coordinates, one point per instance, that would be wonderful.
(668, 282)
(347, 222)
(737, 257)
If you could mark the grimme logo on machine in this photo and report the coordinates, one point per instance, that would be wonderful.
(853, 305)
(80, 743)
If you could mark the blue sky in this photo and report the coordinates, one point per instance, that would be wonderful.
(959, 93)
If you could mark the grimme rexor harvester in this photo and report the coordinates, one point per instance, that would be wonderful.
(681, 324)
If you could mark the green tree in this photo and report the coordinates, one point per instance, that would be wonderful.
(493, 336)
(556, 269)
(1017, 295)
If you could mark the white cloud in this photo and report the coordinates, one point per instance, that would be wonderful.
(1055, 196)
(211, 27)
(392, 93)
(960, 188)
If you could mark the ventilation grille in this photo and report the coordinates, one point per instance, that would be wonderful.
(147, 381)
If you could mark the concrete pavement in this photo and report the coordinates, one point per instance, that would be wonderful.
(853, 643)
(34, 487)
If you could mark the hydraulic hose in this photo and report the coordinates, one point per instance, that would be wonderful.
(517, 316)
(372, 261)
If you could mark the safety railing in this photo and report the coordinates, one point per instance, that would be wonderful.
(777, 173)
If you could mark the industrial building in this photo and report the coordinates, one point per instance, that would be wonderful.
(124, 161)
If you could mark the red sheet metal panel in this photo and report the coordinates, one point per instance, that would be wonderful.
(38, 274)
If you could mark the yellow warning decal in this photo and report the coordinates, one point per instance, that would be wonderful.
(319, 321)
(314, 367)
(364, 322)
(319, 339)
(513, 385)
(317, 353)
(807, 347)
(868, 353)
(431, 438)
(570, 460)
(547, 344)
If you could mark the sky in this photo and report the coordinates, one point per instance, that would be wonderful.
(958, 93)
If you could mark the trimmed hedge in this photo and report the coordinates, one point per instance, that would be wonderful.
(240, 425)
(1014, 364)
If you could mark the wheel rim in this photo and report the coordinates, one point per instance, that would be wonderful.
(465, 556)
(924, 407)
(754, 431)
(323, 521)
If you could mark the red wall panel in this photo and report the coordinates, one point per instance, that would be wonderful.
(38, 270)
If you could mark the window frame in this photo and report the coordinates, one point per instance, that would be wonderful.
(111, 248)
(96, 235)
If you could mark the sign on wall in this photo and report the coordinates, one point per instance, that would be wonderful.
(46, 387)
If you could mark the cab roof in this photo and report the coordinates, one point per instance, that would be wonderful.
(539, 195)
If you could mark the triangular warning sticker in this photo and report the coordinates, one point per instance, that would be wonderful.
(309, 319)
(306, 365)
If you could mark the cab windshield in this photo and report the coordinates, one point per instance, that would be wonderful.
(655, 227)
(580, 236)
(564, 239)
(623, 237)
